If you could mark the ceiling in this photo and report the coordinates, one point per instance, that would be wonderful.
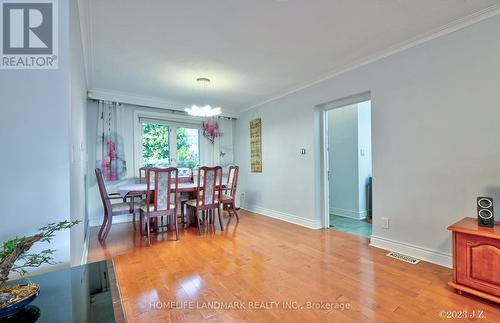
(252, 50)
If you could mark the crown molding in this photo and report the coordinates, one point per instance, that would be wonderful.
(449, 28)
(145, 101)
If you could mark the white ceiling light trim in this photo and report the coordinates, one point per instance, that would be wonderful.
(205, 111)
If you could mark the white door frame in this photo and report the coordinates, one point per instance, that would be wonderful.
(323, 109)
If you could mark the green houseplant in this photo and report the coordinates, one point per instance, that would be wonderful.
(14, 258)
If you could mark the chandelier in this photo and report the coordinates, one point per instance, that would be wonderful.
(206, 110)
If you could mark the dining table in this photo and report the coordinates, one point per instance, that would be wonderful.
(137, 187)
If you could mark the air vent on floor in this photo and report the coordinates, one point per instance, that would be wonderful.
(402, 257)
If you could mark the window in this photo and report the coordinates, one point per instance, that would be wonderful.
(155, 145)
(159, 139)
(188, 147)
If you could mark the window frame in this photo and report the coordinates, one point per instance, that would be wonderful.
(173, 121)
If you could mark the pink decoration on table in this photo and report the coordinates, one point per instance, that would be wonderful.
(211, 130)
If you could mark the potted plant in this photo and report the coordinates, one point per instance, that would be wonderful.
(14, 258)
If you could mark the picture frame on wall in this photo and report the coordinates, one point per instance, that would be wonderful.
(256, 145)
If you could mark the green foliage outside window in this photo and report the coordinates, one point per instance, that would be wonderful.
(156, 148)
(187, 157)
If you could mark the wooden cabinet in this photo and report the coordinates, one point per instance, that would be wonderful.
(476, 259)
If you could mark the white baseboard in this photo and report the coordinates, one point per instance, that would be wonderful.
(349, 213)
(308, 223)
(116, 219)
(433, 256)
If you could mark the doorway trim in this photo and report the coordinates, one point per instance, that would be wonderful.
(323, 108)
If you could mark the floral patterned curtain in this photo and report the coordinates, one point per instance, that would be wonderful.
(109, 154)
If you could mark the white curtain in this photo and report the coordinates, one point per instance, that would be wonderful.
(109, 149)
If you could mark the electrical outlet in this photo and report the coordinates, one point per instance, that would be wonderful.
(385, 223)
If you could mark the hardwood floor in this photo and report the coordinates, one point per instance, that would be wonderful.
(261, 260)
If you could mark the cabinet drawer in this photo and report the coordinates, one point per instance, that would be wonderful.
(478, 262)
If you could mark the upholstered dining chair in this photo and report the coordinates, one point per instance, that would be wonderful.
(111, 209)
(144, 174)
(186, 175)
(161, 199)
(208, 197)
(229, 192)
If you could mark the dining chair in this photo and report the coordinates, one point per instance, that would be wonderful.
(229, 192)
(144, 173)
(208, 197)
(188, 177)
(111, 209)
(161, 199)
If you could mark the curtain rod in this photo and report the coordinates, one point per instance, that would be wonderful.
(173, 111)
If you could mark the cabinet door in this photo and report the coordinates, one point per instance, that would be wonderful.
(478, 262)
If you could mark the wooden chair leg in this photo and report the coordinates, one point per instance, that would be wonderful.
(103, 226)
(197, 215)
(108, 227)
(174, 219)
(220, 219)
(233, 207)
(141, 222)
(148, 229)
(183, 205)
(225, 207)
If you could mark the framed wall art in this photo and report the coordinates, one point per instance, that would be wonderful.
(256, 145)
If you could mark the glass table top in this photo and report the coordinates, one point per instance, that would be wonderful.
(87, 293)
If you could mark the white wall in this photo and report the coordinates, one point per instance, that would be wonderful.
(364, 155)
(126, 121)
(285, 188)
(435, 130)
(34, 141)
(77, 147)
(343, 161)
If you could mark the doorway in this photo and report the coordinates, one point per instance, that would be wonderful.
(349, 167)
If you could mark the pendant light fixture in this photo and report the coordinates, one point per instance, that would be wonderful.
(206, 110)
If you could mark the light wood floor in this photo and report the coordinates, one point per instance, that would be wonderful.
(265, 260)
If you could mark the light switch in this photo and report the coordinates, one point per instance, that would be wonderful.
(302, 151)
(362, 152)
(385, 223)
